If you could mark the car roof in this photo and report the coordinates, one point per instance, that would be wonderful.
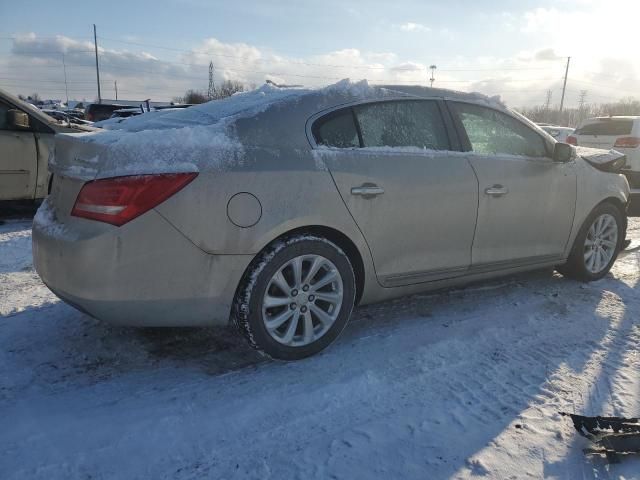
(420, 91)
(303, 102)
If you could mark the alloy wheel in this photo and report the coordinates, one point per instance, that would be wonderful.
(601, 243)
(302, 300)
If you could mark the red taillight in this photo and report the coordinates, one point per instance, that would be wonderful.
(571, 140)
(121, 199)
(627, 142)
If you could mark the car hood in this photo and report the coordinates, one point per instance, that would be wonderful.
(73, 128)
(602, 159)
(598, 155)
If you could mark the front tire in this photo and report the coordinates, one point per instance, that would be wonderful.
(597, 245)
(295, 298)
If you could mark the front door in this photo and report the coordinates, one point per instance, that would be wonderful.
(526, 200)
(414, 201)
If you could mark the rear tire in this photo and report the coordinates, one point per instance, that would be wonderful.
(295, 298)
(596, 246)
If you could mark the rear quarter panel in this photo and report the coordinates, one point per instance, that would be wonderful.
(294, 191)
(291, 190)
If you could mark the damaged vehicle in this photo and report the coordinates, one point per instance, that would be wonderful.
(281, 209)
(26, 144)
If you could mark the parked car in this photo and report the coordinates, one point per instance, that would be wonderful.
(95, 112)
(126, 112)
(65, 117)
(281, 209)
(621, 133)
(559, 133)
(26, 145)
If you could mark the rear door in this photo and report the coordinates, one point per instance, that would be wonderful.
(18, 160)
(412, 197)
(603, 132)
(527, 201)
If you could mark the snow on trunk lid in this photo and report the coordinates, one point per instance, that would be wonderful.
(74, 158)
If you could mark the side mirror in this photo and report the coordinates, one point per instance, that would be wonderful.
(562, 152)
(17, 119)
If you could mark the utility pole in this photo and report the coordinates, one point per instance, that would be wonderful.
(95, 44)
(564, 86)
(433, 72)
(211, 93)
(581, 104)
(115, 85)
(581, 101)
(547, 103)
(66, 88)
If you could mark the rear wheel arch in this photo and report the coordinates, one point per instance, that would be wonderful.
(340, 240)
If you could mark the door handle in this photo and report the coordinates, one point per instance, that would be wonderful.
(368, 190)
(496, 190)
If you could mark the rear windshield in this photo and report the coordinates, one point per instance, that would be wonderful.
(607, 127)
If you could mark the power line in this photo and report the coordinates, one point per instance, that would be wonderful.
(611, 87)
(298, 62)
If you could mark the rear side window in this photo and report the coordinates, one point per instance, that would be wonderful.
(492, 132)
(338, 129)
(607, 127)
(402, 124)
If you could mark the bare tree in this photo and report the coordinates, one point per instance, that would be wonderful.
(194, 96)
(228, 88)
(573, 116)
(224, 90)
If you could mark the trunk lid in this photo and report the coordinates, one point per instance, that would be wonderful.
(74, 158)
(73, 164)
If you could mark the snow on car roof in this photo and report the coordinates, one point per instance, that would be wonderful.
(185, 139)
(247, 104)
(242, 104)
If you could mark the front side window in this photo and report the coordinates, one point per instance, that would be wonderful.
(402, 124)
(338, 129)
(4, 108)
(492, 132)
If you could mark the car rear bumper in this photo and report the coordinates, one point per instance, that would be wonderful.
(145, 273)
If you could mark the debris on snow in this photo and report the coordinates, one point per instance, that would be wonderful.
(612, 435)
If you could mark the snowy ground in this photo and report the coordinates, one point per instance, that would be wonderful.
(464, 383)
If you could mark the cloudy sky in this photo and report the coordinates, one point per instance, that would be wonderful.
(158, 49)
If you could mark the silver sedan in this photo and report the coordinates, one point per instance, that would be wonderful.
(280, 209)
